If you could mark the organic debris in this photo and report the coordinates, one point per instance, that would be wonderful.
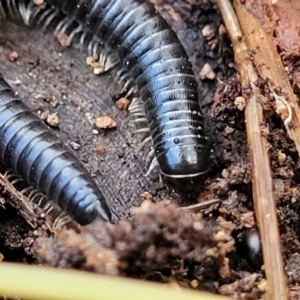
(161, 241)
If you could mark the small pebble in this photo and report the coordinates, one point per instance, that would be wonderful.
(122, 104)
(63, 39)
(206, 72)
(17, 82)
(281, 157)
(105, 122)
(97, 67)
(225, 173)
(53, 101)
(13, 56)
(89, 60)
(41, 3)
(75, 146)
(240, 102)
(194, 283)
(208, 32)
(50, 118)
(98, 71)
(262, 285)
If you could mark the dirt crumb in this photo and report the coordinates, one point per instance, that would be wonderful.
(247, 288)
(101, 150)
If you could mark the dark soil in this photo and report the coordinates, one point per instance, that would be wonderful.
(160, 243)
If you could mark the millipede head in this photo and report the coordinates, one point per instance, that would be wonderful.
(186, 167)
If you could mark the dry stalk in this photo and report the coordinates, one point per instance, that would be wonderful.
(263, 195)
(200, 206)
(19, 202)
(30, 212)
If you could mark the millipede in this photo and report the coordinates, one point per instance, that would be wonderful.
(32, 151)
(151, 61)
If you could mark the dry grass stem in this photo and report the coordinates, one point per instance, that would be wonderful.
(263, 195)
(200, 206)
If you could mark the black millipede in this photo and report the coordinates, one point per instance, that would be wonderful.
(149, 52)
(32, 151)
(151, 55)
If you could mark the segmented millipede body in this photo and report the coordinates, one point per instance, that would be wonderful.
(153, 57)
(32, 151)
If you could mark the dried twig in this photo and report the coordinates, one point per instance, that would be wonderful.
(20, 202)
(200, 206)
(32, 214)
(264, 200)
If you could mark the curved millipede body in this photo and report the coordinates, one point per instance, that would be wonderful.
(153, 57)
(32, 151)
